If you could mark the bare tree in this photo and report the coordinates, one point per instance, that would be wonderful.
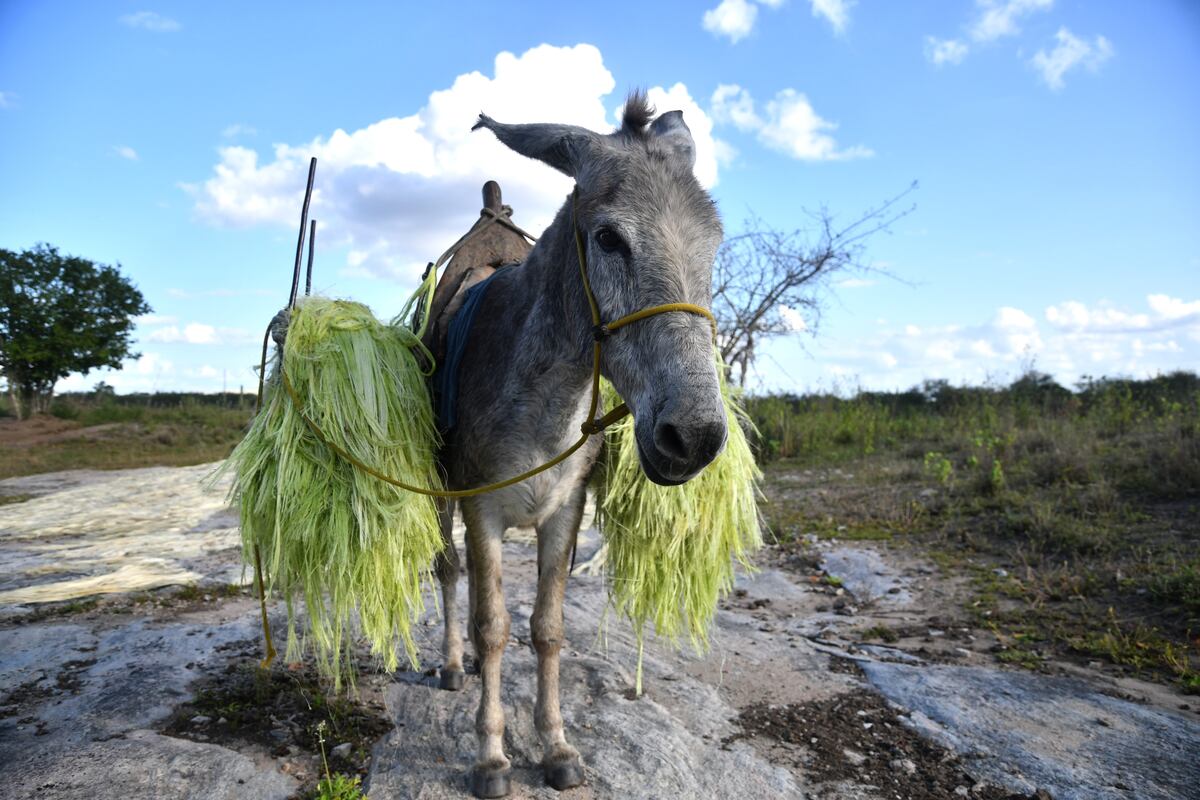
(765, 281)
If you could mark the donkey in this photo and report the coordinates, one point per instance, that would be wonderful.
(650, 234)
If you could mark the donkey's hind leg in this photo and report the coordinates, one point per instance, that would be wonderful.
(446, 568)
(489, 627)
(556, 536)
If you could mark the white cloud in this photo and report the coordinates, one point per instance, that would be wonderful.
(708, 149)
(148, 373)
(1070, 52)
(8, 100)
(944, 51)
(1075, 339)
(152, 364)
(185, 294)
(151, 21)
(238, 129)
(793, 319)
(733, 104)
(1166, 313)
(732, 18)
(837, 12)
(398, 191)
(1173, 309)
(200, 333)
(126, 152)
(789, 125)
(154, 319)
(999, 19)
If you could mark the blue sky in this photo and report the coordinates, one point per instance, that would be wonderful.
(1055, 143)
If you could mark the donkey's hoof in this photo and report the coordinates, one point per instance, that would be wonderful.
(488, 781)
(564, 774)
(451, 679)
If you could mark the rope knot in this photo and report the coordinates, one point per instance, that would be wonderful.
(601, 332)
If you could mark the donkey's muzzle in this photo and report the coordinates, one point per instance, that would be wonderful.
(681, 447)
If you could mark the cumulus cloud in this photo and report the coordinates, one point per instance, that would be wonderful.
(944, 51)
(1075, 339)
(733, 19)
(999, 19)
(835, 12)
(126, 152)
(151, 21)
(398, 191)
(184, 294)
(1166, 312)
(788, 124)
(1070, 52)
(710, 151)
(793, 319)
(154, 319)
(200, 333)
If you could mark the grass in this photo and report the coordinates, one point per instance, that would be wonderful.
(1085, 500)
(138, 431)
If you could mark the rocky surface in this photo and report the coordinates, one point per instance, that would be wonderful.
(85, 696)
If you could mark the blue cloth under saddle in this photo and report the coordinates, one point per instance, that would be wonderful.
(445, 381)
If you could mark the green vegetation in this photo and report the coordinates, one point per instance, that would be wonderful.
(101, 431)
(1073, 512)
(335, 786)
(58, 315)
(881, 632)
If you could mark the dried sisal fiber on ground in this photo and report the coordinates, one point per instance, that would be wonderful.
(671, 549)
(328, 532)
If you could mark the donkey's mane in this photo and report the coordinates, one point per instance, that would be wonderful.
(637, 115)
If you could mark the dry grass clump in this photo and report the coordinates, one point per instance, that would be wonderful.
(345, 542)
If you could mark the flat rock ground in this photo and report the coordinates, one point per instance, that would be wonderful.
(105, 699)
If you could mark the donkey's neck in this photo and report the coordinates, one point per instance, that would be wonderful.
(529, 359)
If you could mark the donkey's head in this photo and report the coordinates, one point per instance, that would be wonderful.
(650, 234)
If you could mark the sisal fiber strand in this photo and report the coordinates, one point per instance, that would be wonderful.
(355, 549)
(672, 549)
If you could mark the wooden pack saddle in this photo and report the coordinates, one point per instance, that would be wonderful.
(487, 246)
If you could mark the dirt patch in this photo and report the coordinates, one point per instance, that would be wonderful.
(858, 737)
(34, 431)
(284, 712)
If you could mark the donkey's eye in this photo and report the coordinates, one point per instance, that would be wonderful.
(609, 240)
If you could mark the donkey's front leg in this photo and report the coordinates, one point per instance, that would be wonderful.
(489, 632)
(556, 536)
(446, 568)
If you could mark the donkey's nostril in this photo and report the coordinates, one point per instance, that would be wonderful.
(669, 441)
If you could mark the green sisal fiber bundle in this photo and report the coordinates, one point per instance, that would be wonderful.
(329, 533)
(671, 549)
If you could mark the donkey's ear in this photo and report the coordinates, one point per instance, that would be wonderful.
(671, 130)
(564, 147)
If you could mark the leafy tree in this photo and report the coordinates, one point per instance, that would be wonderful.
(58, 315)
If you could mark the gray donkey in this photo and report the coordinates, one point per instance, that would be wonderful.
(650, 235)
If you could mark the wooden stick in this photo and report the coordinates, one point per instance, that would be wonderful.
(312, 245)
(312, 173)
